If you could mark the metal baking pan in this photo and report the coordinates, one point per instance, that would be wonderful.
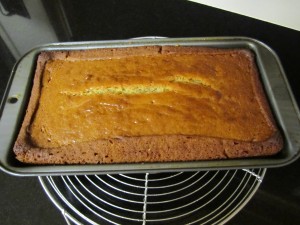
(273, 78)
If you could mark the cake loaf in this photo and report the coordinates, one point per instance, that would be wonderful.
(146, 104)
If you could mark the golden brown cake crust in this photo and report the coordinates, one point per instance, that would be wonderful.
(147, 148)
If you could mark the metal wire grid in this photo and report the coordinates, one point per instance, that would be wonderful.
(202, 197)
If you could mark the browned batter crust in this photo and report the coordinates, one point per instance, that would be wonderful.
(258, 137)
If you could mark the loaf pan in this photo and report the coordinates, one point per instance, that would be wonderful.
(275, 83)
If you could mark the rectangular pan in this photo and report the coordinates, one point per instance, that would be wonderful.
(276, 86)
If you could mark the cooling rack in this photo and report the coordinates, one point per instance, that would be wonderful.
(201, 197)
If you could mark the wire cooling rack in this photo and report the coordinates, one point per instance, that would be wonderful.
(202, 197)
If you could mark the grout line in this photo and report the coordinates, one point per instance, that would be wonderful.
(145, 198)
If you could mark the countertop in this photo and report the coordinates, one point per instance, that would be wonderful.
(23, 200)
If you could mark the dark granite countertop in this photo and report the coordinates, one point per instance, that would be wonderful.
(22, 199)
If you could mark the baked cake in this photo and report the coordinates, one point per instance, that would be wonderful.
(146, 104)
